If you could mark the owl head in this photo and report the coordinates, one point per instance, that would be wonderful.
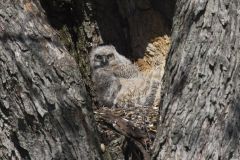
(106, 55)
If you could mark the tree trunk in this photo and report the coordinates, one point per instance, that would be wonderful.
(45, 110)
(200, 107)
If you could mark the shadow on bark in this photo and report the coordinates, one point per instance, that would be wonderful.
(232, 131)
(131, 25)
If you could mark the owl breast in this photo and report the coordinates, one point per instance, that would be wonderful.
(125, 71)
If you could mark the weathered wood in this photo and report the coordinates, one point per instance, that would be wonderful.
(200, 110)
(45, 112)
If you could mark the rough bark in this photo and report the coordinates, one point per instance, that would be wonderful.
(45, 111)
(76, 23)
(200, 107)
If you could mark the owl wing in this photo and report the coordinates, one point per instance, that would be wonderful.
(125, 71)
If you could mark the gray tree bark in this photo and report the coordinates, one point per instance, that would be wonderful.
(45, 110)
(200, 107)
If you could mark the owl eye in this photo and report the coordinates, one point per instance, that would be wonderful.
(98, 56)
(110, 56)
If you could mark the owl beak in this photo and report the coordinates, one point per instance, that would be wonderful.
(105, 61)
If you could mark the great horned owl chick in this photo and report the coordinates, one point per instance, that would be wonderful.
(117, 81)
(107, 67)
